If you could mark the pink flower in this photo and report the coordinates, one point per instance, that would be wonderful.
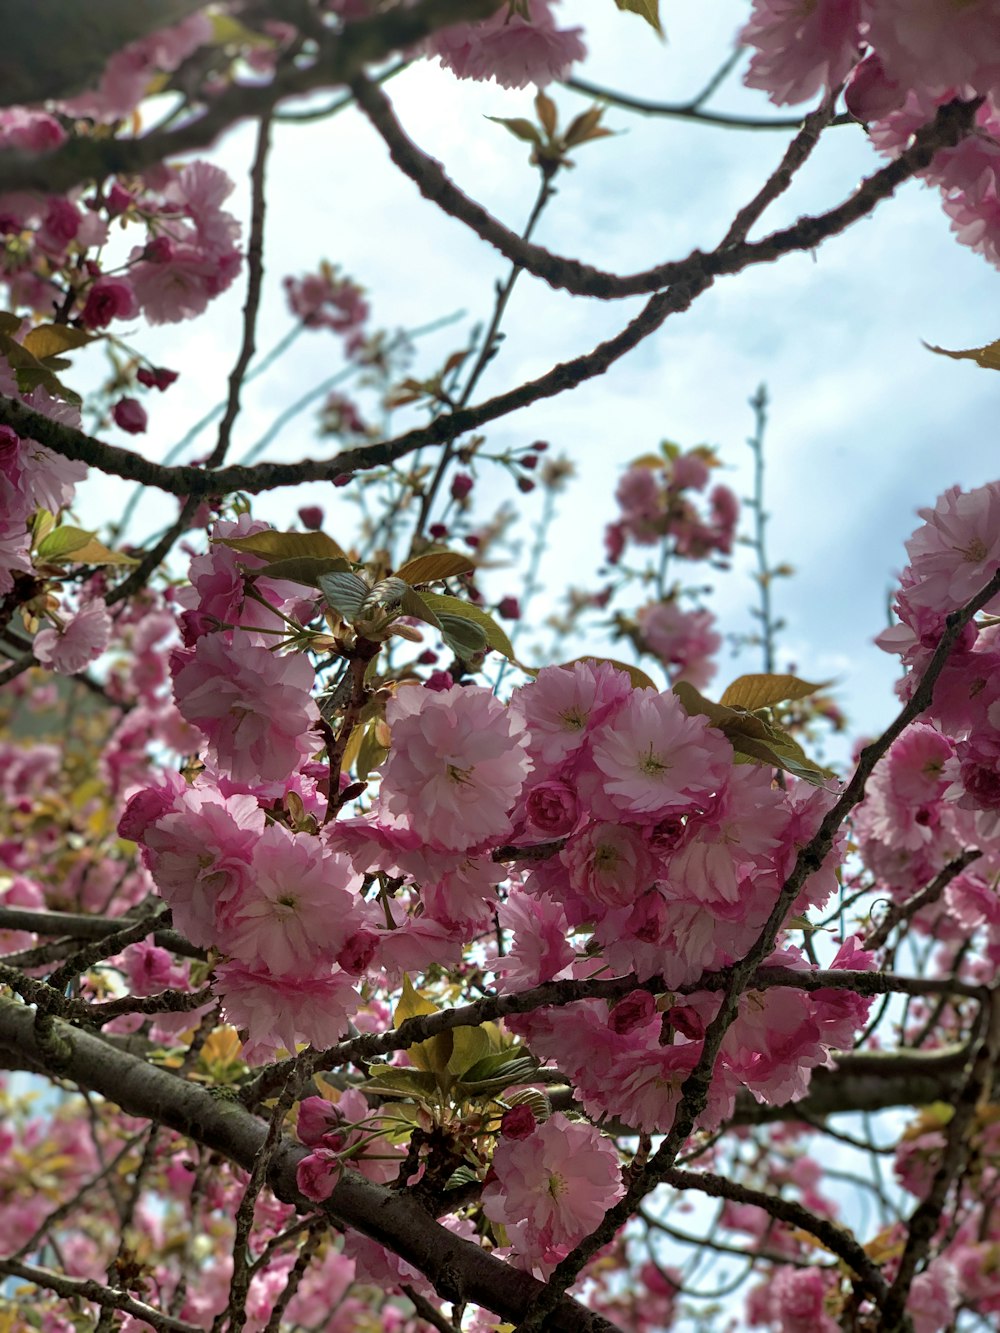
(253, 707)
(800, 48)
(456, 766)
(292, 909)
(82, 639)
(558, 1181)
(199, 852)
(609, 865)
(540, 950)
(513, 49)
(657, 760)
(797, 1301)
(108, 299)
(928, 45)
(564, 704)
(684, 640)
(317, 1174)
(278, 1012)
(551, 809)
(957, 551)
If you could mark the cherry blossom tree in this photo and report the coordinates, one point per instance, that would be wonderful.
(355, 972)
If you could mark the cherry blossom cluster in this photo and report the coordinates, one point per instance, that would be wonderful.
(901, 62)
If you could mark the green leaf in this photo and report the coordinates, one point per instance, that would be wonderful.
(61, 543)
(520, 128)
(495, 1073)
(96, 553)
(345, 592)
(9, 322)
(442, 605)
(433, 1054)
(751, 737)
(988, 357)
(433, 566)
(463, 637)
(412, 604)
(307, 569)
(49, 340)
(647, 9)
(286, 545)
(370, 754)
(469, 1045)
(765, 689)
(389, 1080)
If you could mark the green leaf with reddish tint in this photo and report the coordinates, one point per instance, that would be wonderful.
(433, 566)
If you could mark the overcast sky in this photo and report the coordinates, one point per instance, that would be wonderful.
(866, 425)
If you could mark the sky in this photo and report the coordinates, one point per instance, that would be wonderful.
(866, 425)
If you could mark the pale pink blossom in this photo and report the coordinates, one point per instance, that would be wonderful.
(957, 550)
(937, 45)
(200, 852)
(514, 49)
(557, 1182)
(563, 705)
(796, 1298)
(279, 1012)
(656, 759)
(934, 1296)
(130, 71)
(80, 641)
(254, 707)
(540, 950)
(456, 766)
(801, 46)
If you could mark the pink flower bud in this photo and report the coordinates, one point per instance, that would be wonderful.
(509, 609)
(130, 415)
(461, 484)
(317, 1174)
(311, 517)
(518, 1122)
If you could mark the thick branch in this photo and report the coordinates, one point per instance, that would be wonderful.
(458, 1269)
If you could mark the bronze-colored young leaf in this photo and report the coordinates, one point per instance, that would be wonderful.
(547, 116)
(306, 569)
(646, 9)
(988, 357)
(286, 545)
(763, 689)
(398, 1081)
(520, 128)
(53, 339)
(433, 566)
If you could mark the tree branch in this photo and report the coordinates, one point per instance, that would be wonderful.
(458, 1269)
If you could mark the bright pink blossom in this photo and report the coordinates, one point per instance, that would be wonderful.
(558, 1182)
(456, 766)
(656, 759)
(254, 707)
(294, 907)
